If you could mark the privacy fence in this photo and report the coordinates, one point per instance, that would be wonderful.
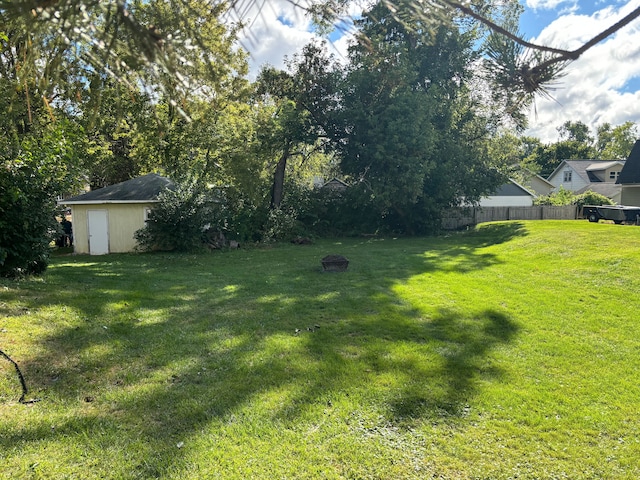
(457, 218)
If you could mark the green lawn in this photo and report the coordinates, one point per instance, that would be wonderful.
(509, 351)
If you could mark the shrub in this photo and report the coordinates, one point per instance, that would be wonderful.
(567, 197)
(179, 220)
(592, 198)
(27, 220)
(559, 198)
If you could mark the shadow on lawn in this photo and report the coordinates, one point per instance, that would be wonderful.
(168, 344)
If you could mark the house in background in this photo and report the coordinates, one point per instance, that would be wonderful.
(511, 194)
(105, 220)
(579, 176)
(335, 185)
(629, 179)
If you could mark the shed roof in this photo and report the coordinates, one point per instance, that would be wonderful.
(137, 190)
(630, 174)
(512, 189)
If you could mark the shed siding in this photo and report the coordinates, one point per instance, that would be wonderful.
(630, 195)
(124, 221)
(511, 201)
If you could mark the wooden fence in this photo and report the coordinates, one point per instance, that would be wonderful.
(458, 218)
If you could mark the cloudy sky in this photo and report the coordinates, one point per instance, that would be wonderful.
(601, 86)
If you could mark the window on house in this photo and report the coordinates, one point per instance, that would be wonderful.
(614, 175)
(567, 176)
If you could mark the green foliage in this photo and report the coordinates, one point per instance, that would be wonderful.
(407, 130)
(561, 197)
(616, 143)
(41, 167)
(567, 197)
(179, 220)
(591, 198)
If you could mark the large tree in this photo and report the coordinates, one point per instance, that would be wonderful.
(411, 136)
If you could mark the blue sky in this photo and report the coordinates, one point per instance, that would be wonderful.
(601, 86)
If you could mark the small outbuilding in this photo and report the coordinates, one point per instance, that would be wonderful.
(105, 220)
(510, 194)
(629, 178)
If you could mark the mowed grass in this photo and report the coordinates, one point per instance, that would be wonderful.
(508, 351)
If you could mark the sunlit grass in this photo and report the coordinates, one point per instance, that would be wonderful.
(509, 351)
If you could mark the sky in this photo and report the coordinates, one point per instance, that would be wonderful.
(602, 86)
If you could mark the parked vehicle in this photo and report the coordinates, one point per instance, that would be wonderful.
(617, 213)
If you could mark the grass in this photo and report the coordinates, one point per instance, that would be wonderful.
(509, 351)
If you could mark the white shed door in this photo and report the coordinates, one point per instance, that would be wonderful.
(98, 232)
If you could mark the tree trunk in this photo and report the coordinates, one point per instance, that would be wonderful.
(277, 190)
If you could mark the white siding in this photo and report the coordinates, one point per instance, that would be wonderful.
(574, 185)
(515, 201)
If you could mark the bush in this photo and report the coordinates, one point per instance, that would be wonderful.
(179, 220)
(567, 197)
(559, 198)
(592, 198)
(27, 221)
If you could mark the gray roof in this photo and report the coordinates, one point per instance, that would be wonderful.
(630, 174)
(585, 168)
(608, 189)
(137, 190)
(512, 189)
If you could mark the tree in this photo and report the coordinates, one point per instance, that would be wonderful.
(406, 128)
(131, 34)
(575, 132)
(42, 164)
(290, 130)
(616, 143)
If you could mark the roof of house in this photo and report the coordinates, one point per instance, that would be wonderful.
(608, 189)
(137, 190)
(631, 171)
(585, 168)
(603, 165)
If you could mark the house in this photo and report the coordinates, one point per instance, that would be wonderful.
(511, 194)
(335, 185)
(629, 179)
(105, 220)
(579, 176)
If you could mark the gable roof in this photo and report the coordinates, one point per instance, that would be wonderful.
(512, 189)
(631, 171)
(137, 190)
(585, 168)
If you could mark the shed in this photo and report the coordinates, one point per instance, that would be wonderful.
(629, 178)
(105, 220)
(510, 194)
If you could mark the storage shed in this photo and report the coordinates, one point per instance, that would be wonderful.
(510, 194)
(629, 178)
(105, 220)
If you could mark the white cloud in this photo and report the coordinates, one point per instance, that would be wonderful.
(277, 29)
(593, 90)
(548, 4)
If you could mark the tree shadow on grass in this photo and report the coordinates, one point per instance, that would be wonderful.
(161, 347)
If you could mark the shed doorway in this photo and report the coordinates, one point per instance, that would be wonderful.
(98, 223)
